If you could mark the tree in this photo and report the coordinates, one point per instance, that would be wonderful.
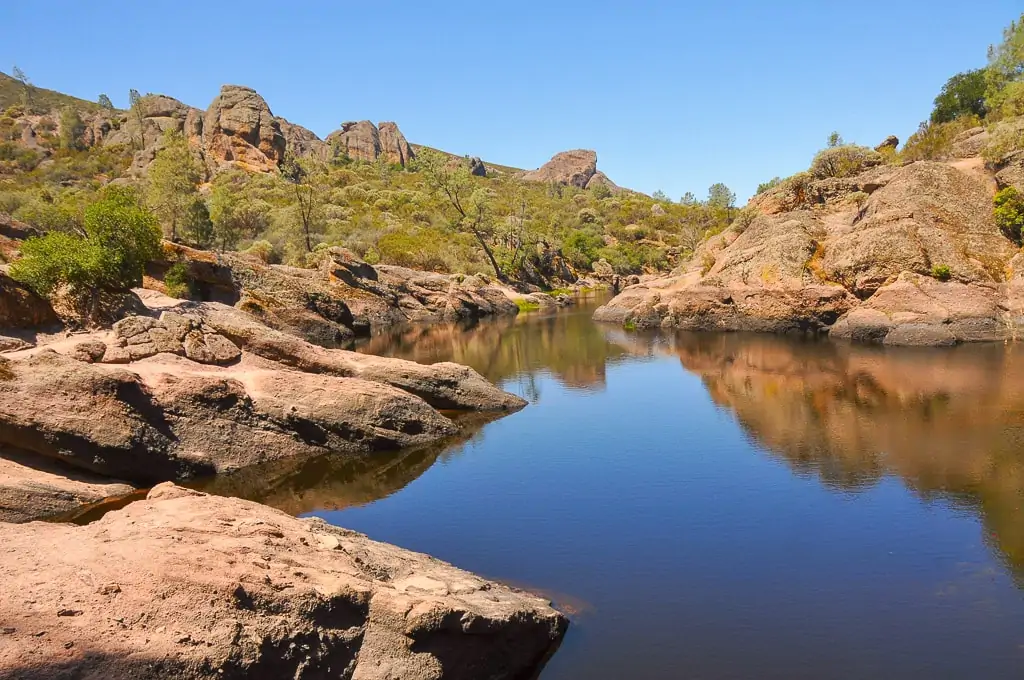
(308, 177)
(962, 95)
(104, 101)
(688, 199)
(720, 196)
(661, 196)
(26, 88)
(835, 139)
(843, 161)
(770, 184)
(135, 108)
(173, 177)
(1009, 213)
(197, 224)
(71, 129)
(1005, 64)
(235, 216)
(120, 237)
(454, 184)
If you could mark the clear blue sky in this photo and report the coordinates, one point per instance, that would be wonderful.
(671, 95)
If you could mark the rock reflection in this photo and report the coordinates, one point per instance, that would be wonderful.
(565, 344)
(948, 422)
(338, 481)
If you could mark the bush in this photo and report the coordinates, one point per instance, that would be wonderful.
(120, 238)
(581, 248)
(264, 251)
(1003, 140)
(770, 184)
(941, 272)
(962, 95)
(933, 141)
(744, 218)
(1009, 213)
(844, 161)
(178, 282)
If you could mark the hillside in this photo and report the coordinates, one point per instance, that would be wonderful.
(12, 93)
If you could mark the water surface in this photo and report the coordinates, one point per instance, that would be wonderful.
(718, 506)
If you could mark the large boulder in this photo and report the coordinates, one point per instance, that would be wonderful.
(239, 129)
(21, 308)
(393, 145)
(570, 168)
(303, 143)
(172, 418)
(185, 585)
(358, 140)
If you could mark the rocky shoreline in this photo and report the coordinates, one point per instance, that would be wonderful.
(898, 255)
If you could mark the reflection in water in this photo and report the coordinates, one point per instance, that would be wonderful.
(339, 481)
(513, 351)
(946, 421)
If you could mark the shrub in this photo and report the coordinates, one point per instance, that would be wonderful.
(933, 141)
(120, 238)
(1009, 213)
(770, 184)
(962, 95)
(581, 248)
(941, 272)
(264, 251)
(844, 161)
(744, 219)
(1003, 140)
(178, 281)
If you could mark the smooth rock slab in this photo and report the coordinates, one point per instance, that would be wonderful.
(184, 585)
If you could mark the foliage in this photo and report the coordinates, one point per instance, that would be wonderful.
(744, 219)
(120, 236)
(770, 184)
(525, 305)
(1009, 213)
(720, 196)
(308, 178)
(843, 161)
(581, 248)
(172, 181)
(962, 95)
(178, 281)
(834, 140)
(1005, 65)
(941, 272)
(104, 101)
(71, 129)
(933, 141)
(196, 224)
(1003, 139)
(264, 251)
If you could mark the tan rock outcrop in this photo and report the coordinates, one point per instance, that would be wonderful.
(813, 254)
(358, 140)
(571, 168)
(393, 145)
(184, 585)
(239, 128)
(303, 143)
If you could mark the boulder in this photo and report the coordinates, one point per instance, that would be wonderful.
(21, 308)
(175, 419)
(918, 310)
(239, 128)
(34, 488)
(890, 143)
(570, 168)
(442, 385)
(477, 167)
(969, 143)
(393, 145)
(94, 308)
(358, 140)
(599, 179)
(185, 585)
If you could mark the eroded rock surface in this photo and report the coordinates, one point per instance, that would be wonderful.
(184, 585)
(901, 255)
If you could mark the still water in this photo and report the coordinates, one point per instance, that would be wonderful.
(718, 506)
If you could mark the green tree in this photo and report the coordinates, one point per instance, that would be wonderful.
(453, 183)
(197, 225)
(172, 181)
(71, 129)
(120, 237)
(26, 88)
(104, 101)
(688, 199)
(835, 139)
(661, 196)
(1009, 213)
(962, 95)
(1005, 64)
(720, 196)
(308, 178)
(138, 117)
(770, 184)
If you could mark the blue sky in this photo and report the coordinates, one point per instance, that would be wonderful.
(672, 95)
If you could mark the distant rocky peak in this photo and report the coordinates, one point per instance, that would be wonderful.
(577, 168)
(364, 141)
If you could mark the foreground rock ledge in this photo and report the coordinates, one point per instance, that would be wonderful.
(185, 585)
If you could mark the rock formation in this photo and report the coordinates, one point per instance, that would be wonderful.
(363, 141)
(185, 585)
(21, 308)
(303, 143)
(238, 127)
(815, 259)
(477, 167)
(571, 168)
(890, 142)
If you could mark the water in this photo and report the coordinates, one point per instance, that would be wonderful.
(718, 506)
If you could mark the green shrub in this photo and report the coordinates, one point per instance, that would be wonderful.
(1003, 140)
(120, 238)
(770, 184)
(1009, 213)
(844, 161)
(264, 251)
(178, 281)
(580, 248)
(744, 219)
(525, 305)
(933, 141)
(941, 272)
